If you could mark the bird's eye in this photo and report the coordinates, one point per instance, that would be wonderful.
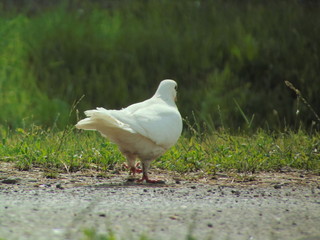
(176, 87)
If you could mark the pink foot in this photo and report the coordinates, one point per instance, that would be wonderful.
(134, 169)
(150, 181)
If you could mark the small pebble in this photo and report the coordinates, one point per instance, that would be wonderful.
(59, 186)
(174, 217)
(236, 192)
(10, 181)
(278, 186)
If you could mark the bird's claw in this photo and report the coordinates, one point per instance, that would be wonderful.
(133, 169)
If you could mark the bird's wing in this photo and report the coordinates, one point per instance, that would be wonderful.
(153, 119)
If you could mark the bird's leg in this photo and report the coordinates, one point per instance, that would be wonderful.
(133, 169)
(145, 167)
(132, 166)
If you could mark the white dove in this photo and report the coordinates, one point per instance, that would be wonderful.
(143, 130)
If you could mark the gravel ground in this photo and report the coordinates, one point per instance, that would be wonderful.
(269, 206)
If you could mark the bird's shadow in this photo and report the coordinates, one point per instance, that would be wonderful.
(130, 183)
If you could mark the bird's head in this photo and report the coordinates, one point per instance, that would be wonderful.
(167, 90)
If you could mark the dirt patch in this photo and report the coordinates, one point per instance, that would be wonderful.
(281, 205)
(39, 177)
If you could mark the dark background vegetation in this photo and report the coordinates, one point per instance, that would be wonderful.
(230, 59)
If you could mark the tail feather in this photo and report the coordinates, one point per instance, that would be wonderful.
(101, 121)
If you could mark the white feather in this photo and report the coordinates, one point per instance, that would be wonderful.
(144, 130)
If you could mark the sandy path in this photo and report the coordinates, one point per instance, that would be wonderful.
(35, 208)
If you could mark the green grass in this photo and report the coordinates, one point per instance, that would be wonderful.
(72, 150)
(65, 150)
(91, 234)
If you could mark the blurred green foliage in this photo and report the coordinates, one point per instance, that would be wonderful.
(230, 59)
